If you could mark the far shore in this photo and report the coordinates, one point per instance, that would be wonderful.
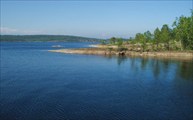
(103, 50)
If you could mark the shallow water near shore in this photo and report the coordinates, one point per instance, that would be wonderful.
(37, 84)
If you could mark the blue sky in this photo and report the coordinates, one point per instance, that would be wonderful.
(100, 19)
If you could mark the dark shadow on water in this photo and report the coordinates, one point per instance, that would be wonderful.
(156, 68)
(184, 68)
(121, 59)
(144, 63)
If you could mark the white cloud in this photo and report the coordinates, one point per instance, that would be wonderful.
(5, 30)
(12, 31)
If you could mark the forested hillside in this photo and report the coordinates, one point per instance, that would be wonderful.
(46, 38)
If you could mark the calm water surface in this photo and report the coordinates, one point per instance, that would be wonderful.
(37, 84)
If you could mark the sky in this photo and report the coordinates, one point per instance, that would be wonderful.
(96, 19)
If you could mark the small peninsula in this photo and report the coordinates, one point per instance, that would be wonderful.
(105, 50)
(176, 41)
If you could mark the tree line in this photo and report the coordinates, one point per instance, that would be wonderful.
(45, 38)
(178, 37)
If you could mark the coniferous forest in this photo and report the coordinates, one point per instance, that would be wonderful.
(177, 37)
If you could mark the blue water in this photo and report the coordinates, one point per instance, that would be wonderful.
(40, 85)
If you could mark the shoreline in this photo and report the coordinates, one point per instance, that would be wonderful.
(104, 51)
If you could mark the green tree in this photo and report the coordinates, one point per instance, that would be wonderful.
(166, 35)
(141, 39)
(119, 42)
(112, 40)
(147, 39)
(183, 27)
(103, 42)
(157, 33)
(148, 36)
(130, 40)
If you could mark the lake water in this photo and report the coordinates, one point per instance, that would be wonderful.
(37, 84)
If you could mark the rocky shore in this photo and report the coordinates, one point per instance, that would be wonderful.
(104, 50)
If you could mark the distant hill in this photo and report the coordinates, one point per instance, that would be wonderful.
(45, 38)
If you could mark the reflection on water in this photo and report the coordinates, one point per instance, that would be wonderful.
(184, 68)
(121, 59)
(37, 84)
